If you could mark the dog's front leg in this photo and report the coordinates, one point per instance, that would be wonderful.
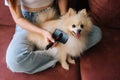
(63, 62)
(70, 60)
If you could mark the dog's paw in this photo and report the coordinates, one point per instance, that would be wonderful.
(71, 61)
(65, 66)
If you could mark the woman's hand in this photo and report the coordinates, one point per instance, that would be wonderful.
(48, 37)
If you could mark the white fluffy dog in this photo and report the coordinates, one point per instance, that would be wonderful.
(76, 25)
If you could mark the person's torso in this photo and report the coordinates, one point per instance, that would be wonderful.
(36, 3)
(33, 4)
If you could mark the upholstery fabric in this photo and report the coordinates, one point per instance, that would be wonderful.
(106, 12)
(102, 61)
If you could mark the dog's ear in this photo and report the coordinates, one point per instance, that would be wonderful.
(71, 12)
(83, 12)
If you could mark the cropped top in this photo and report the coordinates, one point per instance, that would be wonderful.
(33, 5)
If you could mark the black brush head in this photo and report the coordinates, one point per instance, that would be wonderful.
(59, 36)
(63, 37)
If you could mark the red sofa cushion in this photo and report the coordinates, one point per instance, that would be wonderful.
(102, 62)
(5, 16)
(106, 12)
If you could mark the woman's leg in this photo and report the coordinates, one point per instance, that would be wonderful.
(21, 56)
(94, 37)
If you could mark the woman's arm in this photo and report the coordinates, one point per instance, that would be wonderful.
(63, 6)
(15, 10)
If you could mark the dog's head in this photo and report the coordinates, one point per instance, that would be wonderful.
(77, 24)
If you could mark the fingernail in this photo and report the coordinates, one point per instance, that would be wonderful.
(53, 40)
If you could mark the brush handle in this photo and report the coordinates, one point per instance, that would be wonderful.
(49, 45)
(56, 39)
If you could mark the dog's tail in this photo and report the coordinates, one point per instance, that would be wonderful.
(46, 15)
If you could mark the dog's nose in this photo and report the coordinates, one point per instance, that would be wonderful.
(79, 31)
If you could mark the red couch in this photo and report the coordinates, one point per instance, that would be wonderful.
(101, 62)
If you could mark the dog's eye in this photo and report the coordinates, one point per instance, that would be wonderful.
(82, 26)
(73, 25)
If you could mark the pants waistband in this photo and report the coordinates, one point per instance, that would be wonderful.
(36, 9)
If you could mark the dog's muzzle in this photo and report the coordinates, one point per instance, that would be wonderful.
(78, 31)
(76, 34)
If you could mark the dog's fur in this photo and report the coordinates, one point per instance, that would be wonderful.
(76, 25)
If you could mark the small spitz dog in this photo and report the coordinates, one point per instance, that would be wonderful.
(77, 25)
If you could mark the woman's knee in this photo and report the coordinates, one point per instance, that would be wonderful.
(16, 55)
(94, 37)
(28, 61)
(98, 33)
(14, 60)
